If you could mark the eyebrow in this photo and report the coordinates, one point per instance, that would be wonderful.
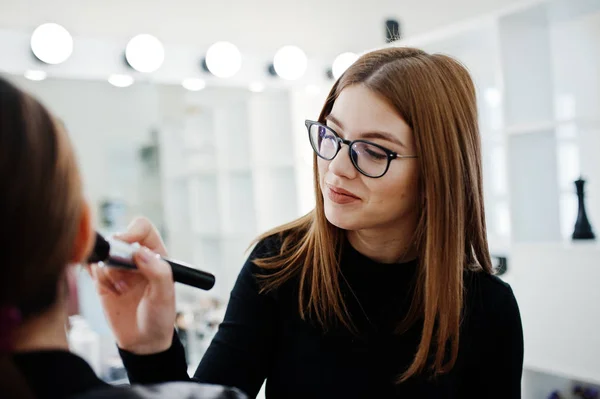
(369, 135)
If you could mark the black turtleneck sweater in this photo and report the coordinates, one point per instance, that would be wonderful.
(263, 337)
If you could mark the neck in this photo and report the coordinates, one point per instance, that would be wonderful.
(43, 332)
(384, 246)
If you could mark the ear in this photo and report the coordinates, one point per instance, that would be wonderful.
(84, 241)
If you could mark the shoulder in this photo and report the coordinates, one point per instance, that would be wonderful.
(273, 263)
(488, 298)
(267, 247)
(274, 250)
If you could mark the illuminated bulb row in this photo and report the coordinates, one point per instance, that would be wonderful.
(52, 44)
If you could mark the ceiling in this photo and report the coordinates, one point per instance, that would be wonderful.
(323, 28)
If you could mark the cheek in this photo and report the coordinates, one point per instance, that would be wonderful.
(398, 190)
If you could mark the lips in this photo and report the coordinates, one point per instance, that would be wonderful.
(341, 191)
(340, 196)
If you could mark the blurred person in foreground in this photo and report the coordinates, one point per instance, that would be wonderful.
(46, 230)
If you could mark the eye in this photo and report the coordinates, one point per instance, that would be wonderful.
(324, 133)
(370, 152)
(375, 153)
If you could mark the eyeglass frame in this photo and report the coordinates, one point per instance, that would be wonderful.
(391, 155)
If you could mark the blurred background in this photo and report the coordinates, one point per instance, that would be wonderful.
(191, 113)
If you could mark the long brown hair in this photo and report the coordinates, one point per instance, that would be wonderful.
(435, 96)
(40, 207)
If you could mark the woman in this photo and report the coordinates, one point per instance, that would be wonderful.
(46, 229)
(386, 289)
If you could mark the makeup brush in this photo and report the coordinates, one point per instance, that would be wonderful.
(116, 253)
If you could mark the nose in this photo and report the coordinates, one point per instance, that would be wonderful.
(342, 165)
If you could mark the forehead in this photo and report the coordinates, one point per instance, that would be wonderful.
(361, 110)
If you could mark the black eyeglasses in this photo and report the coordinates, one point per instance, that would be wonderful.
(368, 158)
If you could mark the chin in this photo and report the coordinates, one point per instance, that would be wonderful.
(345, 219)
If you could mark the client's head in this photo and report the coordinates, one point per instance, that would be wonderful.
(44, 220)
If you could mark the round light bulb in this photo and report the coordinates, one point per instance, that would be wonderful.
(51, 43)
(193, 84)
(223, 59)
(290, 62)
(36, 75)
(256, 87)
(120, 80)
(341, 63)
(145, 53)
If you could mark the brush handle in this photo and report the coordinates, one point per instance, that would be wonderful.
(121, 255)
(190, 276)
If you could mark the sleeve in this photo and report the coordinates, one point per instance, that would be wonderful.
(500, 366)
(166, 366)
(241, 351)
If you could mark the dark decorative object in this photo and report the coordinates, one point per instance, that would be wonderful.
(579, 391)
(500, 264)
(204, 65)
(555, 395)
(392, 31)
(583, 229)
(586, 392)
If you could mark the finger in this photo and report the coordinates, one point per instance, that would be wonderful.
(115, 278)
(157, 271)
(142, 231)
(102, 281)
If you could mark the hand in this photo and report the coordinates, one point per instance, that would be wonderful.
(139, 304)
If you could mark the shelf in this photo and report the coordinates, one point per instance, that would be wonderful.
(591, 247)
(541, 127)
(544, 126)
(557, 290)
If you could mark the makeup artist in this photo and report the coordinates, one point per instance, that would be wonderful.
(45, 230)
(386, 288)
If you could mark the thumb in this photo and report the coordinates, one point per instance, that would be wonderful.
(157, 271)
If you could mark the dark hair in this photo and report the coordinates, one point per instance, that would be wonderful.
(435, 96)
(40, 207)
